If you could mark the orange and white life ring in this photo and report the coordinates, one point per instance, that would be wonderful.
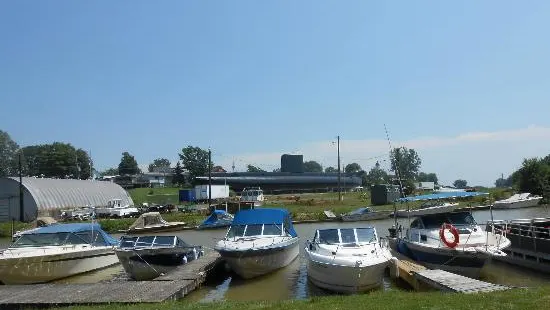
(453, 231)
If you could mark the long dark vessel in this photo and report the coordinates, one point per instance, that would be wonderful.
(530, 242)
(147, 257)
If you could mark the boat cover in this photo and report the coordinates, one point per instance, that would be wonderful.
(72, 228)
(148, 219)
(215, 216)
(265, 216)
(442, 195)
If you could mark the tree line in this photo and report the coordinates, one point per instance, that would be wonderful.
(533, 177)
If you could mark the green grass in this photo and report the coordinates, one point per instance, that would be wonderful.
(164, 195)
(536, 298)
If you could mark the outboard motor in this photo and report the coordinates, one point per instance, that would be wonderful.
(393, 231)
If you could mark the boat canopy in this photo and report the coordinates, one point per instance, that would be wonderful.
(72, 228)
(265, 216)
(148, 219)
(442, 195)
(217, 215)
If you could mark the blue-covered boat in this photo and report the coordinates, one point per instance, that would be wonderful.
(442, 237)
(218, 219)
(57, 251)
(259, 241)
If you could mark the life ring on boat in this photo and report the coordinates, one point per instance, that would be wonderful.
(453, 231)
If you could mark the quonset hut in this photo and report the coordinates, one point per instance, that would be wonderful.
(40, 194)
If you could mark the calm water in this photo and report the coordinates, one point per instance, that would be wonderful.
(291, 281)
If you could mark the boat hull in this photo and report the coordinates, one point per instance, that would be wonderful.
(465, 263)
(366, 217)
(517, 204)
(346, 279)
(147, 264)
(253, 263)
(46, 268)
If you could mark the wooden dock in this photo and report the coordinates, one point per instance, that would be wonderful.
(450, 282)
(171, 286)
(421, 278)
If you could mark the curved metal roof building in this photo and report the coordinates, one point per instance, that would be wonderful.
(46, 194)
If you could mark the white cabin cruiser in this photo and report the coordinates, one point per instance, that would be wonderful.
(450, 240)
(259, 241)
(523, 200)
(55, 252)
(347, 260)
(252, 195)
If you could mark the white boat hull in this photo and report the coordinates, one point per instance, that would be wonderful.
(256, 262)
(346, 279)
(527, 203)
(60, 263)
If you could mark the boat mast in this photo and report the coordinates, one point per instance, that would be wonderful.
(339, 187)
(209, 178)
(21, 204)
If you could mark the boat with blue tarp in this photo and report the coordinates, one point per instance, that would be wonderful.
(259, 241)
(445, 237)
(218, 219)
(58, 251)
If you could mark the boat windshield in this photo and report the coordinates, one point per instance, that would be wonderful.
(360, 211)
(148, 241)
(346, 235)
(60, 238)
(236, 231)
(456, 219)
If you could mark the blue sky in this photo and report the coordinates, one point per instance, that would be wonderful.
(255, 79)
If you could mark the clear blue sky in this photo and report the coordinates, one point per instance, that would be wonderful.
(150, 77)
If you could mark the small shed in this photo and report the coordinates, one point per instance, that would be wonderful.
(383, 194)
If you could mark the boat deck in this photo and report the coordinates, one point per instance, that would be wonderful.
(171, 286)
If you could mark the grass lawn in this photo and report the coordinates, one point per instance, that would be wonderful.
(536, 298)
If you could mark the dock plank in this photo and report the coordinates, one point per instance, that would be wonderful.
(171, 286)
(447, 281)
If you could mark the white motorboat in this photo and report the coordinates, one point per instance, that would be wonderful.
(429, 208)
(115, 208)
(55, 252)
(252, 195)
(449, 240)
(259, 241)
(523, 200)
(147, 257)
(347, 260)
(364, 214)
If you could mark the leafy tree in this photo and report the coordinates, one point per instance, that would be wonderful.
(218, 169)
(504, 182)
(195, 161)
(331, 170)
(352, 168)
(9, 161)
(427, 177)
(533, 176)
(85, 165)
(109, 171)
(405, 162)
(162, 163)
(56, 160)
(128, 165)
(251, 168)
(178, 178)
(460, 183)
(376, 175)
(312, 166)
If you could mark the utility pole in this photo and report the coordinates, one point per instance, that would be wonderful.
(209, 178)
(339, 187)
(21, 206)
